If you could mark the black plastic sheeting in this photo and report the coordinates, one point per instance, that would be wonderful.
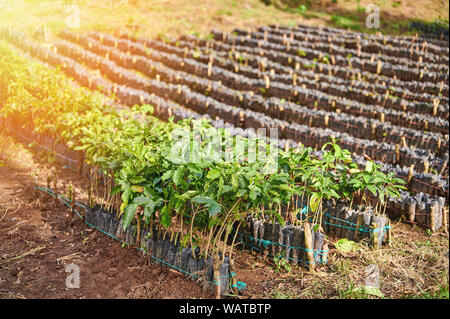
(166, 252)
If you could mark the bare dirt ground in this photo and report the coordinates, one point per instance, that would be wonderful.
(38, 241)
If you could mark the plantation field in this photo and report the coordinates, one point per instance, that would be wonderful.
(250, 155)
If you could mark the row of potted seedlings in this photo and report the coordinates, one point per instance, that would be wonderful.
(409, 69)
(241, 64)
(137, 97)
(164, 248)
(399, 45)
(356, 93)
(276, 107)
(404, 154)
(323, 66)
(404, 118)
(375, 67)
(399, 103)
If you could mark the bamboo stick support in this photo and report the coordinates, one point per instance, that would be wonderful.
(389, 233)
(233, 278)
(375, 230)
(267, 80)
(209, 69)
(445, 219)
(410, 173)
(325, 254)
(435, 106)
(403, 142)
(216, 279)
(433, 218)
(426, 166)
(379, 66)
(309, 247)
(359, 224)
(397, 153)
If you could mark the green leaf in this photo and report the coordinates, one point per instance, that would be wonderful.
(254, 194)
(116, 190)
(214, 209)
(130, 211)
(314, 202)
(213, 206)
(367, 290)
(203, 200)
(126, 195)
(167, 175)
(279, 218)
(188, 195)
(165, 217)
(178, 175)
(241, 193)
(141, 200)
(346, 246)
(149, 209)
(225, 189)
(213, 174)
(369, 166)
(372, 189)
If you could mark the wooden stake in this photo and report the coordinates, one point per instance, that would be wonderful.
(412, 212)
(433, 218)
(374, 227)
(209, 69)
(403, 141)
(426, 166)
(326, 120)
(445, 219)
(309, 247)
(379, 67)
(233, 278)
(410, 173)
(325, 254)
(359, 224)
(216, 279)
(389, 233)
(267, 80)
(397, 152)
(435, 106)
